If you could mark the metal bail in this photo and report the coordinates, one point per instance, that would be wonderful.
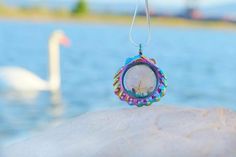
(140, 50)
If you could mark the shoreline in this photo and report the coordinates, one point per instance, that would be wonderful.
(118, 20)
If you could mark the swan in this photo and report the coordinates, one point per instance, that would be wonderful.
(22, 80)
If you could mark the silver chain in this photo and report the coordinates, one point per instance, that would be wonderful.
(140, 45)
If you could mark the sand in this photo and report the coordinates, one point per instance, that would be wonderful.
(156, 131)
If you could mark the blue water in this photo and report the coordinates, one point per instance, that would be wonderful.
(199, 63)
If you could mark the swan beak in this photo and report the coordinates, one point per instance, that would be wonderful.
(65, 41)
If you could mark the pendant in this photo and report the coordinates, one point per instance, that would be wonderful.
(140, 82)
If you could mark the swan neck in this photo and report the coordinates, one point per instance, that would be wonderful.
(54, 65)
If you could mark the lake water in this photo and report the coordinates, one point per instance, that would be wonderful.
(199, 63)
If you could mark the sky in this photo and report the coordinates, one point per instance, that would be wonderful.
(218, 6)
(159, 2)
(170, 2)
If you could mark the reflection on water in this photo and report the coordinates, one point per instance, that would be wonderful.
(199, 64)
(21, 114)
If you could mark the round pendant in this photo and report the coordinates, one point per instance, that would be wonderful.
(140, 82)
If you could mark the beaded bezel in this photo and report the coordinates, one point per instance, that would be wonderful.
(124, 95)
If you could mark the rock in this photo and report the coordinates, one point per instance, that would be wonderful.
(149, 131)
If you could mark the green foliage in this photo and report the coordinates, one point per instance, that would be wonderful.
(81, 7)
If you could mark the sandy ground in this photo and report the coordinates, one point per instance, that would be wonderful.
(157, 131)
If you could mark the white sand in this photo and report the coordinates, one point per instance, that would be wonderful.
(150, 131)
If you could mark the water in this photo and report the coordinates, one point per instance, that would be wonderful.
(200, 65)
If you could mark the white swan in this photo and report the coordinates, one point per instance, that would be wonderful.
(22, 80)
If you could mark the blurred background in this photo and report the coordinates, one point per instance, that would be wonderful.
(193, 41)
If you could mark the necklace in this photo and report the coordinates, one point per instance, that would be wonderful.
(140, 82)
